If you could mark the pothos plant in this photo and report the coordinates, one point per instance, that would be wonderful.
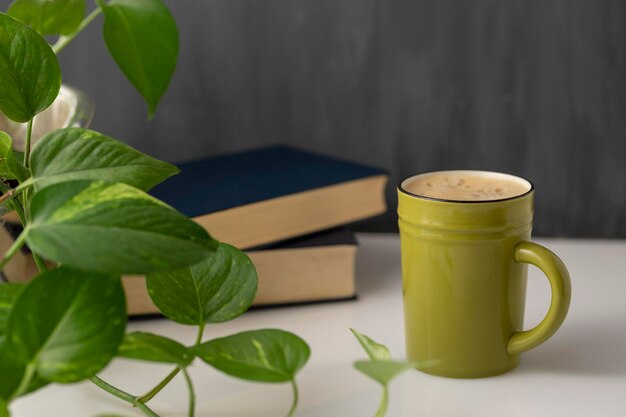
(81, 197)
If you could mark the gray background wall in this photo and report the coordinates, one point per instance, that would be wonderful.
(535, 88)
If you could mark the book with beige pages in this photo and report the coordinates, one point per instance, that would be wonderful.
(314, 268)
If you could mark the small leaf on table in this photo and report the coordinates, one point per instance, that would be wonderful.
(142, 38)
(154, 348)
(374, 350)
(74, 153)
(30, 76)
(8, 294)
(112, 227)
(218, 289)
(267, 355)
(49, 17)
(382, 371)
(67, 324)
(380, 367)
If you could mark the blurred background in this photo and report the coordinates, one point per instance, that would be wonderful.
(533, 88)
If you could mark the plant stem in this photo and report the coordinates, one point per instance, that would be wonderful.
(192, 394)
(16, 246)
(7, 196)
(154, 391)
(382, 408)
(123, 396)
(25, 185)
(200, 333)
(41, 264)
(294, 404)
(17, 206)
(65, 40)
(29, 134)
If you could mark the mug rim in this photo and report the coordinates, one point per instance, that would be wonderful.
(444, 200)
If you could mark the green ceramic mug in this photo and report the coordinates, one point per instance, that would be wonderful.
(464, 268)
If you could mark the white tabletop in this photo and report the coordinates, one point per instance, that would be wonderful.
(581, 371)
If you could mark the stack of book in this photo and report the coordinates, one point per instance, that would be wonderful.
(287, 208)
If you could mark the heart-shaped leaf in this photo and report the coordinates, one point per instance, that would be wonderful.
(30, 77)
(112, 227)
(142, 38)
(374, 350)
(67, 324)
(74, 153)
(218, 289)
(382, 371)
(380, 367)
(49, 17)
(8, 294)
(154, 348)
(267, 355)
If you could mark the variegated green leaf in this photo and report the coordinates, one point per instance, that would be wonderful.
(67, 324)
(154, 348)
(112, 227)
(267, 355)
(74, 153)
(218, 289)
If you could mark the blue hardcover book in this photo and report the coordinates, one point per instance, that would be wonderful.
(272, 194)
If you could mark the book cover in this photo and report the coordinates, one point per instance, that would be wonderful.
(272, 194)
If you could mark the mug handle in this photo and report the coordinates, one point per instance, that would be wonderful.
(553, 267)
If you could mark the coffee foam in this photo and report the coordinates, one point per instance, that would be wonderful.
(466, 185)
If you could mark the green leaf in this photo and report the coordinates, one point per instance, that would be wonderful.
(6, 149)
(142, 37)
(154, 348)
(73, 153)
(382, 371)
(218, 289)
(374, 350)
(10, 369)
(12, 372)
(68, 324)
(49, 17)
(112, 227)
(8, 294)
(10, 166)
(4, 408)
(268, 355)
(30, 77)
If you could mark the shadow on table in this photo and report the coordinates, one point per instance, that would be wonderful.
(587, 348)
